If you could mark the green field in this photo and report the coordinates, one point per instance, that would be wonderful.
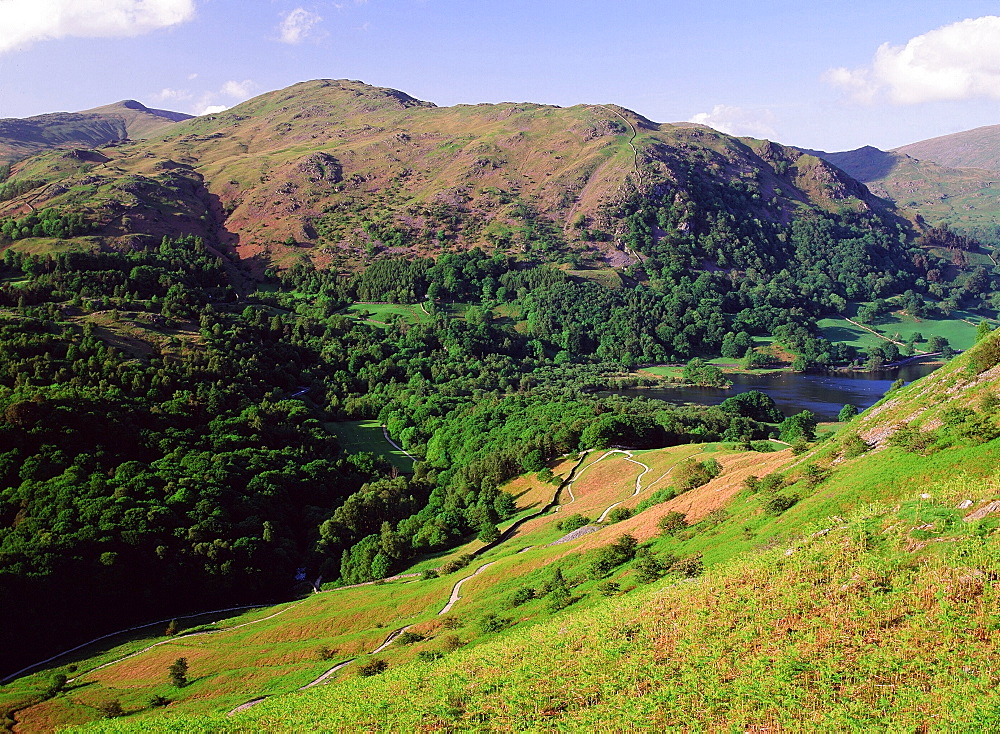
(367, 435)
(899, 327)
(381, 313)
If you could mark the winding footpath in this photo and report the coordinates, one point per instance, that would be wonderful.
(629, 456)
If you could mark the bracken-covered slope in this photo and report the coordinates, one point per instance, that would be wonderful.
(341, 168)
(20, 138)
(867, 603)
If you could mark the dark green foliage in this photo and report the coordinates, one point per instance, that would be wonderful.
(429, 656)
(778, 503)
(854, 445)
(111, 708)
(522, 595)
(327, 653)
(618, 514)
(610, 557)
(158, 701)
(648, 568)
(698, 372)
(372, 668)
(609, 588)
(491, 623)
(692, 473)
(57, 683)
(799, 426)
(847, 413)
(573, 522)
(753, 404)
(815, 474)
(177, 672)
(409, 638)
(673, 522)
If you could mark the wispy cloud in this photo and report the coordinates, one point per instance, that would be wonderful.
(210, 101)
(954, 62)
(298, 25)
(24, 22)
(239, 90)
(739, 121)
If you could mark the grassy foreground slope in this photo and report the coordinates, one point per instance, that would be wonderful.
(867, 599)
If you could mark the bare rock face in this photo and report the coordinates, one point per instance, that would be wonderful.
(321, 167)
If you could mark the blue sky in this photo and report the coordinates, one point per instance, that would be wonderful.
(831, 75)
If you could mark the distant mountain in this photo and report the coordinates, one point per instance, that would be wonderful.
(961, 198)
(21, 138)
(978, 148)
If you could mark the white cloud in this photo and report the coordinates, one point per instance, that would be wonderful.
(23, 22)
(957, 61)
(240, 90)
(173, 95)
(212, 109)
(297, 25)
(738, 121)
(208, 103)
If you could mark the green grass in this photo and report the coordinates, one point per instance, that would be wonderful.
(899, 327)
(380, 313)
(355, 436)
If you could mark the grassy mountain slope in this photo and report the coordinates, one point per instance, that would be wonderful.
(959, 197)
(20, 138)
(349, 170)
(977, 148)
(858, 591)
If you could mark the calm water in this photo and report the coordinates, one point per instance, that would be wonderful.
(824, 395)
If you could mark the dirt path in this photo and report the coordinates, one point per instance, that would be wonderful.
(458, 587)
(385, 432)
(629, 456)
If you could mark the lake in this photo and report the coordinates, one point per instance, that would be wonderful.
(823, 394)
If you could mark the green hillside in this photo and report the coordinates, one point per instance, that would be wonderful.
(853, 587)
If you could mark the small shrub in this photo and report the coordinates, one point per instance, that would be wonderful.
(491, 623)
(111, 709)
(854, 446)
(688, 567)
(372, 667)
(573, 522)
(618, 514)
(177, 672)
(647, 567)
(779, 503)
(672, 523)
(327, 653)
(451, 622)
(609, 588)
(658, 497)
(429, 574)
(158, 701)
(456, 564)
(450, 643)
(815, 474)
(429, 656)
(522, 595)
(409, 638)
